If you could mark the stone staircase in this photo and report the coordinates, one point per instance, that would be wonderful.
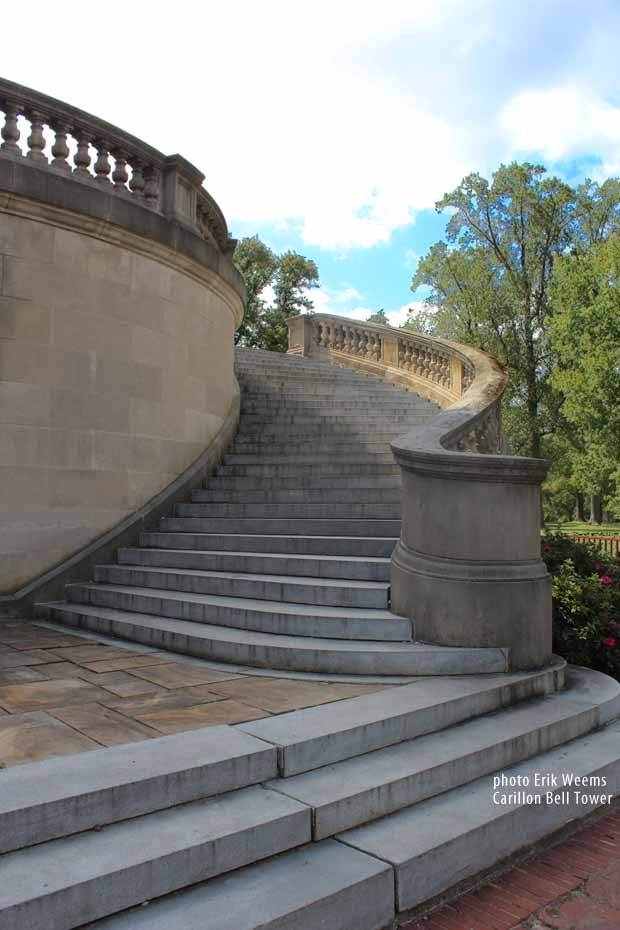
(283, 560)
(341, 816)
(311, 819)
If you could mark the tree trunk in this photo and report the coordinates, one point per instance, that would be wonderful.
(595, 509)
(580, 515)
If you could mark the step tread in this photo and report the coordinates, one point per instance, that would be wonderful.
(315, 736)
(91, 874)
(241, 603)
(441, 841)
(324, 885)
(358, 790)
(282, 556)
(257, 577)
(72, 793)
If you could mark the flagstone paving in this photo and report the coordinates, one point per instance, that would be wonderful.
(63, 693)
(573, 886)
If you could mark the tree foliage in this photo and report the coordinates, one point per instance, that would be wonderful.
(379, 317)
(490, 282)
(288, 276)
(585, 334)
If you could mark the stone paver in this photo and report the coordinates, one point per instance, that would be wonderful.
(573, 886)
(63, 693)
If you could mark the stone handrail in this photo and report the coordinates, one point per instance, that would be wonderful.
(124, 165)
(467, 568)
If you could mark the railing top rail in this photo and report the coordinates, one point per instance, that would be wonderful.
(28, 99)
(168, 184)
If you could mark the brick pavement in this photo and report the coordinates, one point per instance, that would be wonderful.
(573, 886)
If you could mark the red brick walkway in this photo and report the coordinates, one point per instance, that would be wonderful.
(574, 886)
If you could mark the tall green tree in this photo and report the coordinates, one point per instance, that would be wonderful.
(490, 281)
(585, 334)
(295, 275)
(289, 276)
(257, 265)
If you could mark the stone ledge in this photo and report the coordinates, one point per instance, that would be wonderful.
(19, 179)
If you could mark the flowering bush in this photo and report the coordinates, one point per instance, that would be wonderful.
(586, 603)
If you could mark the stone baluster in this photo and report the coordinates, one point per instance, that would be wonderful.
(409, 350)
(151, 186)
(81, 158)
(102, 165)
(120, 175)
(346, 344)
(60, 149)
(36, 139)
(10, 133)
(137, 182)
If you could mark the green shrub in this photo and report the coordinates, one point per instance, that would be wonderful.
(586, 603)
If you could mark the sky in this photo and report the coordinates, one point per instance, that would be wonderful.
(332, 128)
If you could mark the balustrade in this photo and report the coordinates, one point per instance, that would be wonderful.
(467, 568)
(69, 141)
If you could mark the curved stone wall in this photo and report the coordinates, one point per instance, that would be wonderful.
(117, 321)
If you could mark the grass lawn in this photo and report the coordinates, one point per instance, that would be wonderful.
(589, 529)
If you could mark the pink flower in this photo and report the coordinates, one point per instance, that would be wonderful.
(597, 567)
(610, 641)
(607, 580)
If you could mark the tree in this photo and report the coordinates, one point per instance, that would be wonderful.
(289, 275)
(257, 265)
(379, 317)
(490, 282)
(585, 334)
(295, 275)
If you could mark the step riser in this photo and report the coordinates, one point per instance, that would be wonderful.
(293, 545)
(388, 511)
(260, 588)
(321, 661)
(284, 624)
(283, 526)
(300, 483)
(133, 880)
(265, 565)
(121, 782)
(364, 459)
(298, 495)
(289, 452)
(344, 472)
(332, 817)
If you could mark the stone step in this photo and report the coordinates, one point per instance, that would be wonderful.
(363, 458)
(369, 547)
(316, 736)
(439, 843)
(57, 797)
(293, 589)
(327, 492)
(349, 482)
(290, 653)
(335, 509)
(326, 447)
(283, 526)
(357, 402)
(65, 883)
(292, 433)
(362, 568)
(298, 426)
(269, 617)
(327, 885)
(341, 471)
(360, 790)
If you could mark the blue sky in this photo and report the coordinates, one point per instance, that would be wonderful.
(333, 127)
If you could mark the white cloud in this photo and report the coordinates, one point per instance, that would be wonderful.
(562, 122)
